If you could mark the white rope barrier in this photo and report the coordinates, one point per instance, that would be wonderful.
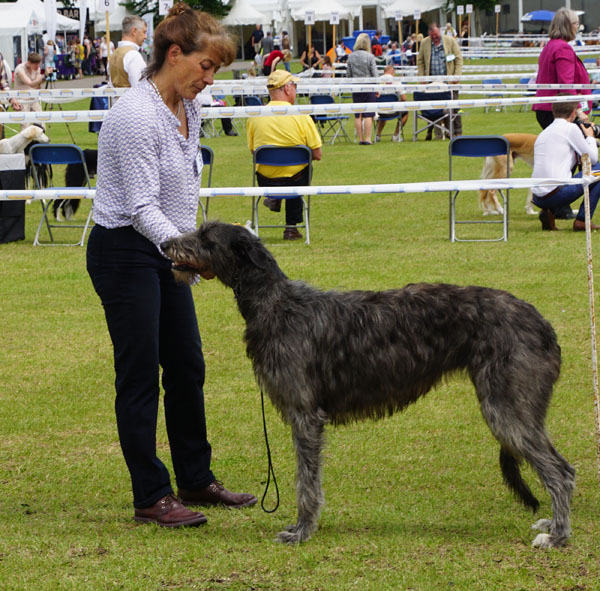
(328, 109)
(326, 88)
(426, 187)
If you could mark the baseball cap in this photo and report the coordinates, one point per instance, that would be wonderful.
(280, 78)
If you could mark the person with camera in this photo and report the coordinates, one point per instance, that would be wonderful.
(557, 150)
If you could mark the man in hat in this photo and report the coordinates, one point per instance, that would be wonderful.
(284, 130)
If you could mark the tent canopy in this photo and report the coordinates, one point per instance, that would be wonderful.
(407, 7)
(321, 8)
(37, 7)
(243, 13)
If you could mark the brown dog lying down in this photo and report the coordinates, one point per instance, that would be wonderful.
(521, 146)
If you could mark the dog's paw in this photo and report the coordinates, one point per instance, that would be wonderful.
(542, 525)
(292, 535)
(542, 541)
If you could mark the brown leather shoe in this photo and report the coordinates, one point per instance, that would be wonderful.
(579, 226)
(291, 234)
(216, 494)
(169, 512)
(272, 204)
(547, 219)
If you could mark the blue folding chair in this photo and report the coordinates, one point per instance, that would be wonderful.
(595, 103)
(331, 127)
(282, 156)
(251, 100)
(208, 157)
(383, 116)
(494, 94)
(479, 147)
(527, 92)
(437, 118)
(57, 154)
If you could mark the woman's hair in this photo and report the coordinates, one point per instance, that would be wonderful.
(363, 42)
(561, 26)
(327, 60)
(191, 30)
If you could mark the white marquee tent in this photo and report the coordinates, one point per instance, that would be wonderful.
(20, 19)
(243, 13)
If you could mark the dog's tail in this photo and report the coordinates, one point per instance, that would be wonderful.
(512, 477)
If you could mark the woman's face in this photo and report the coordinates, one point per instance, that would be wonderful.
(194, 72)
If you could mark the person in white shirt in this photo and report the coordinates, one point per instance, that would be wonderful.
(126, 64)
(104, 54)
(556, 151)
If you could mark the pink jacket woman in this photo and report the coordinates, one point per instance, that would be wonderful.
(559, 64)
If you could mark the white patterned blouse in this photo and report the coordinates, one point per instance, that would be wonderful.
(148, 173)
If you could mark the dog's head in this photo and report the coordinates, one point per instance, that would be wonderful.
(219, 250)
(36, 133)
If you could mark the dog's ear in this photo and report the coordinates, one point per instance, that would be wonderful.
(247, 247)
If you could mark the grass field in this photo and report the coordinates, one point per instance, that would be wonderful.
(413, 502)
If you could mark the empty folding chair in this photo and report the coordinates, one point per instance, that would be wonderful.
(437, 118)
(478, 147)
(282, 156)
(208, 157)
(57, 154)
(494, 94)
(330, 126)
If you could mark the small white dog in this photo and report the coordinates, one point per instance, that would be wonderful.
(18, 142)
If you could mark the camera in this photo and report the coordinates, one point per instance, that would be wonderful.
(595, 128)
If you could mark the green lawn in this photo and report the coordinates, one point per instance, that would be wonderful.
(413, 502)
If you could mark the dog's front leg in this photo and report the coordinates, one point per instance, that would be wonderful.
(308, 433)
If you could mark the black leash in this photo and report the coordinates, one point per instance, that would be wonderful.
(270, 469)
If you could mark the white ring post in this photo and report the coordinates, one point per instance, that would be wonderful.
(587, 171)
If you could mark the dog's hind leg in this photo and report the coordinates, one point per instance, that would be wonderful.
(308, 432)
(515, 416)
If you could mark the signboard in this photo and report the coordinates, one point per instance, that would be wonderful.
(497, 8)
(460, 9)
(399, 16)
(417, 15)
(106, 5)
(164, 6)
(469, 8)
(309, 17)
(69, 12)
(334, 19)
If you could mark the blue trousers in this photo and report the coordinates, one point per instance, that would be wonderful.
(152, 323)
(569, 193)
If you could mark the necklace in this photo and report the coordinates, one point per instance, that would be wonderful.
(153, 84)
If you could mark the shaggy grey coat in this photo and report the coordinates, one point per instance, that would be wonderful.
(336, 357)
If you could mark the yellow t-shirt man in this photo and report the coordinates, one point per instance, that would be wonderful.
(281, 130)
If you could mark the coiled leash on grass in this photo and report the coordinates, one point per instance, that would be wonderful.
(270, 469)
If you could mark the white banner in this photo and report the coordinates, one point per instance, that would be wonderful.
(51, 14)
(83, 7)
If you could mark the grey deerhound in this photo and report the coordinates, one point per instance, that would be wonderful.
(337, 357)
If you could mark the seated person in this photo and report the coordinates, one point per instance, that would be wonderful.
(555, 154)
(284, 130)
(387, 78)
